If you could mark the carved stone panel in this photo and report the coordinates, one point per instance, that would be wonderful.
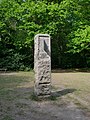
(42, 64)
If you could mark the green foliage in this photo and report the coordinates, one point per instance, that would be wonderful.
(80, 40)
(66, 21)
(7, 118)
(79, 37)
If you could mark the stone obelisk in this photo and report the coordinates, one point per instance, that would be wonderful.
(42, 64)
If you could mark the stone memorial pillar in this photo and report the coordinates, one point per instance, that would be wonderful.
(42, 64)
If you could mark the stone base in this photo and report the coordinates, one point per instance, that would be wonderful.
(43, 89)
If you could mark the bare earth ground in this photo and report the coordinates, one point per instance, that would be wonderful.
(70, 101)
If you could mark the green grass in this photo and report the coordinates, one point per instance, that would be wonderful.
(7, 118)
(14, 80)
(10, 83)
(80, 81)
(13, 87)
(19, 86)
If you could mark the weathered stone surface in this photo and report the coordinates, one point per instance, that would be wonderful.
(42, 64)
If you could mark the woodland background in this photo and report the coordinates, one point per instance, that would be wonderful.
(67, 22)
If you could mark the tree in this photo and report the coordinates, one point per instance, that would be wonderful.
(79, 38)
(21, 22)
(64, 20)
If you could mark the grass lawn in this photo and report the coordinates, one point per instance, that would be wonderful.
(16, 90)
(11, 82)
(79, 82)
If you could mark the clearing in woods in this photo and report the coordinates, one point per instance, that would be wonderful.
(70, 98)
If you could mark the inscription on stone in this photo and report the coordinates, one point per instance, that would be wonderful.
(42, 64)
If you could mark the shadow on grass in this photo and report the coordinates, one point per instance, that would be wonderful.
(60, 93)
(54, 95)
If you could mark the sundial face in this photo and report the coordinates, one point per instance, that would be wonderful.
(44, 47)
